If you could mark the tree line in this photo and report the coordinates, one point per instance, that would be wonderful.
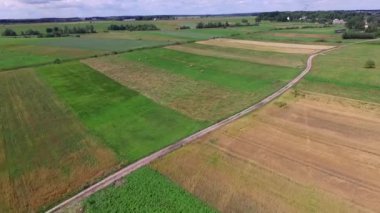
(130, 27)
(52, 31)
(359, 24)
(244, 22)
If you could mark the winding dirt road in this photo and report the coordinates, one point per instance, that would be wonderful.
(145, 161)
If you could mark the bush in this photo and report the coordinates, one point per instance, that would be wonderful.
(358, 35)
(184, 27)
(57, 61)
(370, 64)
(321, 40)
(9, 32)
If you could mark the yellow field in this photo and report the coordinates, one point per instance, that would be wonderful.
(267, 46)
(309, 153)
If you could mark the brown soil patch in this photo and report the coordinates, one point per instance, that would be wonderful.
(300, 35)
(278, 61)
(324, 143)
(196, 99)
(267, 46)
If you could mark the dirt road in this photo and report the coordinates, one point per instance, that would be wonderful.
(145, 161)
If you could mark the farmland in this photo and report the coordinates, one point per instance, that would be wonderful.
(349, 79)
(204, 88)
(129, 123)
(284, 157)
(42, 138)
(77, 108)
(145, 191)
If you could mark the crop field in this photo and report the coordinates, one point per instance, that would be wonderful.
(307, 153)
(45, 151)
(130, 124)
(145, 191)
(99, 44)
(266, 46)
(293, 37)
(260, 57)
(77, 108)
(342, 73)
(203, 88)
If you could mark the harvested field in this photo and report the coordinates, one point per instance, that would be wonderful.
(313, 152)
(196, 99)
(45, 152)
(277, 59)
(267, 46)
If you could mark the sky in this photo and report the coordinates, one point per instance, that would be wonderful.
(16, 9)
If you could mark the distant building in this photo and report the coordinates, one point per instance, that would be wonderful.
(303, 18)
(338, 21)
(130, 19)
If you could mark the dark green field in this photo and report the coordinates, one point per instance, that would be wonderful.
(145, 191)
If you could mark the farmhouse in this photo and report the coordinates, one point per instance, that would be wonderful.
(339, 21)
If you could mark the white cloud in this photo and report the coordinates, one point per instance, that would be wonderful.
(82, 8)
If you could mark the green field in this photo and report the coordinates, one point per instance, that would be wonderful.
(145, 191)
(132, 125)
(204, 88)
(45, 151)
(99, 44)
(342, 73)
(235, 75)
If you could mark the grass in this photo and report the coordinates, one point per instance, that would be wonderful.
(13, 59)
(343, 73)
(45, 152)
(231, 74)
(99, 44)
(132, 125)
(145, 191)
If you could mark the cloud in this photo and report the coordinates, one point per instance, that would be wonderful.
(85, 8)
(37, 1)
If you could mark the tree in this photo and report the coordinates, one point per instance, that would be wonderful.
(370, 64)
(9, 32)
(200, 25)
(244, 21)
(356, 23)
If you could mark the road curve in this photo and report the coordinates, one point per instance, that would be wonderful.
(146, 160)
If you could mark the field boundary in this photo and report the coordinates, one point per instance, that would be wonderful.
(148, 159)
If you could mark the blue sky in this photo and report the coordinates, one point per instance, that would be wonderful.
(84, 8)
